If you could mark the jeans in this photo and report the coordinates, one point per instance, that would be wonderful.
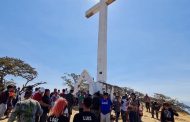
(153, 111)
(134, 116)
(124, 115)
(117, 116)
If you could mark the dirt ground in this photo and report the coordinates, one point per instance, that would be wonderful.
(146, 117)
(180, 118)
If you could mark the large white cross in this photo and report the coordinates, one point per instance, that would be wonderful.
(101, 7)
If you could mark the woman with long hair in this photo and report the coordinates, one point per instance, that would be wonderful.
(57, 112)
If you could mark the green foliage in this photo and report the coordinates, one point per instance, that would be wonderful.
(70, 79)
(17, 68)
(34, 85)
(10, 82)
(179, 106)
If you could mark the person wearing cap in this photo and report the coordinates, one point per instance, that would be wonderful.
(26, 110)
(4, 96)
(105, 106)
(38, 97)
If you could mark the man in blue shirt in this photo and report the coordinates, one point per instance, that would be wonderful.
(106, 104)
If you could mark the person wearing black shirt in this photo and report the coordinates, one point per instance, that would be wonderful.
(86, 115)
(95, 108)
(45, 99)
(70, 99)
(61, 118)
(155, 107)
(167, 113)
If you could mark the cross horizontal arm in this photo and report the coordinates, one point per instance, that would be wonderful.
(93, 10)
(96, 8)
(109, 1)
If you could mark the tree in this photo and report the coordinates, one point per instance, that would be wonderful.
(174, 102)
(34, 85)
(9, 82)
(161, 97)
(17, 68)
(70, 79)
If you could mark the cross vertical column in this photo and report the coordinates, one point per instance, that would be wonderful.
(101, 7)
(102, 43)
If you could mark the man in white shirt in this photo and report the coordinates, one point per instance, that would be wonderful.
(124, 105)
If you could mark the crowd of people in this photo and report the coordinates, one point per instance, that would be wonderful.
(42, 105)
(165, 109)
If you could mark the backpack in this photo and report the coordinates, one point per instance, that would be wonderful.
(167, 114)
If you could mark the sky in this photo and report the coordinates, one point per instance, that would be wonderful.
(148, 42)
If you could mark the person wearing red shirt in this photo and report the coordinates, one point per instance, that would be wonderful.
(38, 97)
(63, 94)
